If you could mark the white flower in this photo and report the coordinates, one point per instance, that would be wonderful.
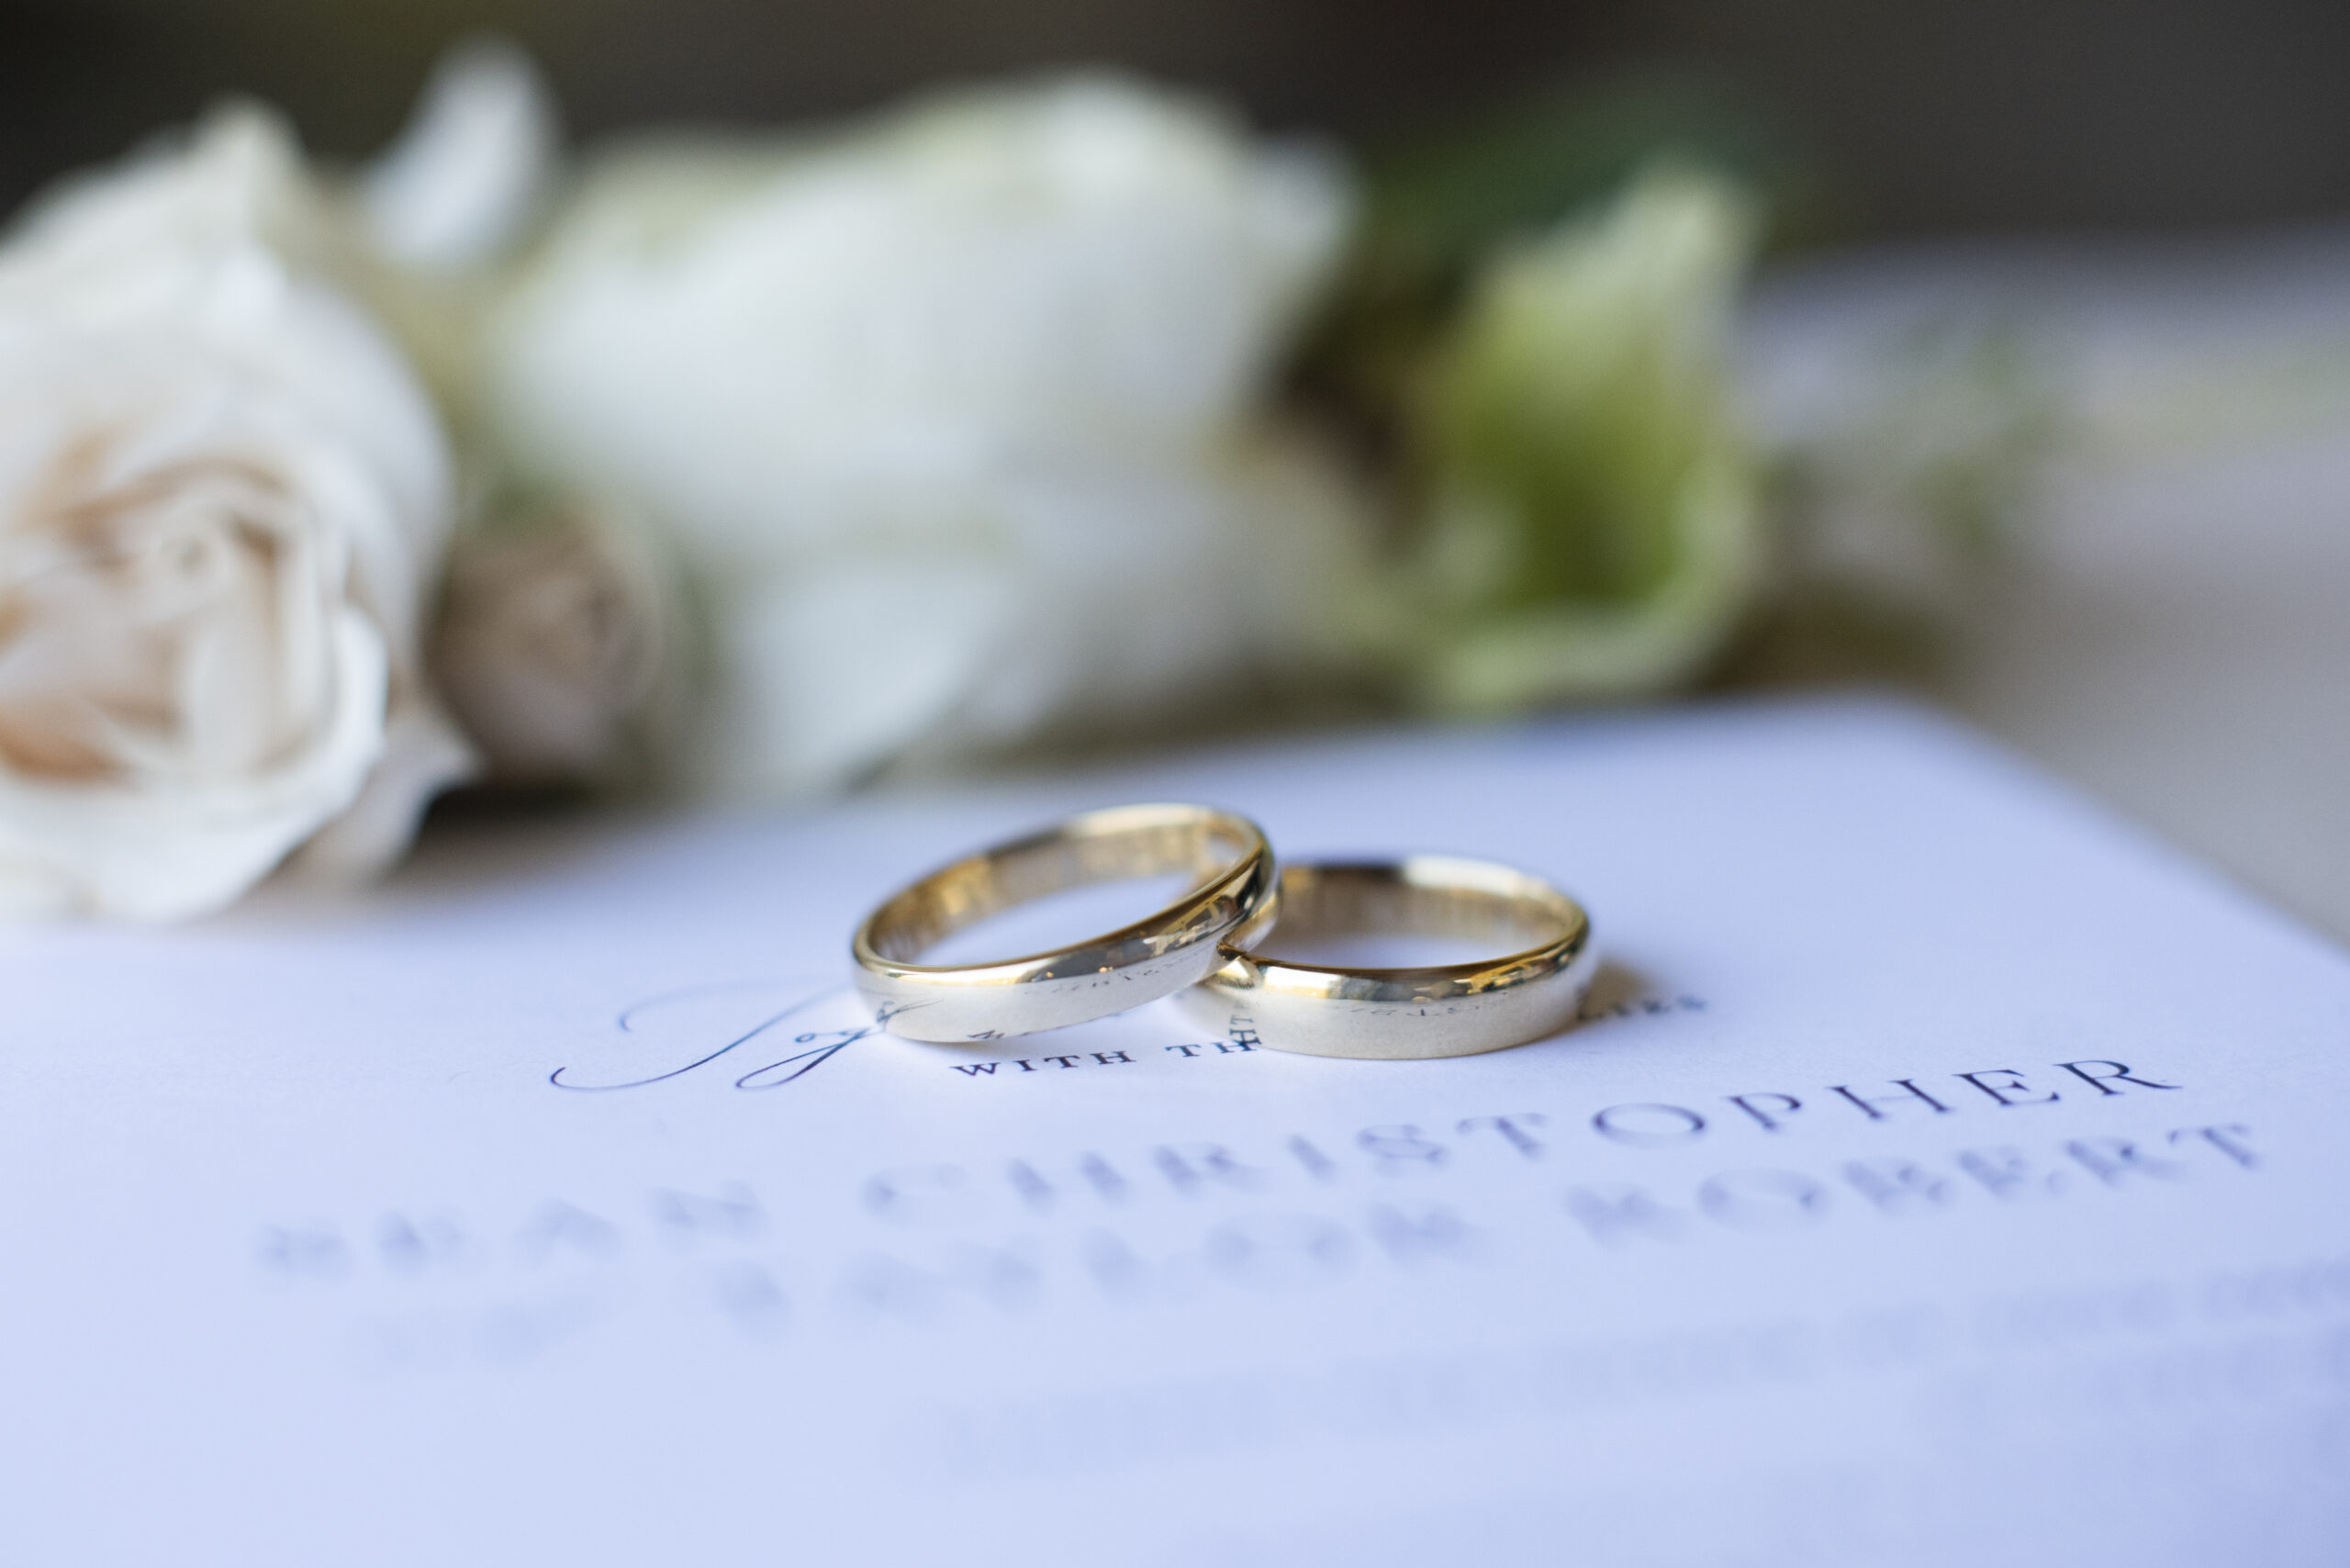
(438, 217)
(1915, 429)
(221, 502)
(955, 414)
(471, 165)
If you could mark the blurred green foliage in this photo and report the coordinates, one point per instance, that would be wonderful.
(1439, 200)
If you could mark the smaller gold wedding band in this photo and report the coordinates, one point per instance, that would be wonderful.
(1229, 900)
(1446, 1010)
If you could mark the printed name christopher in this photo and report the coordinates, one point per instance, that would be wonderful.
(1655, 1122)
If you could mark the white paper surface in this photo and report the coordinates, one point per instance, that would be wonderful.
(332, 1241)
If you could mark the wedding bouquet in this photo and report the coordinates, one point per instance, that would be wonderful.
(766, 464)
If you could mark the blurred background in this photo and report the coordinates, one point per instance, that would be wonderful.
(2153, 191)
(2001, 115)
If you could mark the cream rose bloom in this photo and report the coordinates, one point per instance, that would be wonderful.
(957, 414)
(556, 646)
(222, 500)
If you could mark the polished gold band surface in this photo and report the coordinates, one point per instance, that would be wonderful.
(1230, 899)
(1449, 1010)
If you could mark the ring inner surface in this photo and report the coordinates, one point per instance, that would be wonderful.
(1207, 848)
(1507, 915)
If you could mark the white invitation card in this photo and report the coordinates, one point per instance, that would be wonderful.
(1941, 1173)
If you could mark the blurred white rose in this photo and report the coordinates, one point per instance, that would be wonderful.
(559, 639)
(222, 497)
(954, 413)
(438, 218)
(471, 166)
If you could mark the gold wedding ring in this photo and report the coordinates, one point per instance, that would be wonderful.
(1452, 1010)
(1229, 900)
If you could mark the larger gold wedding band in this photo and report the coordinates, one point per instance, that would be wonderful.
(1229, 900)
(1454, 1010)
